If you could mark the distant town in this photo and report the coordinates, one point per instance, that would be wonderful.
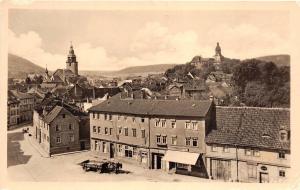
(214, 118)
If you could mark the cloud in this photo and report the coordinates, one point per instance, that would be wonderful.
(157, 44)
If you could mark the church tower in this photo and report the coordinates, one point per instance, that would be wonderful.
(72, 63)
(218, 55)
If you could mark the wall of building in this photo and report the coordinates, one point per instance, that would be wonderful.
(64, 133)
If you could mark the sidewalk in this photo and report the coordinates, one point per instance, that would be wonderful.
(36, 146)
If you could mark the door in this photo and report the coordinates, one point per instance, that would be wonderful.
(40, 136)
(82, 145)
(156, 160)
(263, 177)
(158, 166)
(112, 150)
(221, 169)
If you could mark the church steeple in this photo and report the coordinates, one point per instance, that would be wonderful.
(218, 54)
(72, 63)
(218, 49)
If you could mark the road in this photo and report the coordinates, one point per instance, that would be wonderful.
(25, 163)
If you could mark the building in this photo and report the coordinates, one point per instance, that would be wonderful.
(249, 145)
(13, 110)
(59, 127)
(25, 106)
(150, 132)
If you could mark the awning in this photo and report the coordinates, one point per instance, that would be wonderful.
(181, 157)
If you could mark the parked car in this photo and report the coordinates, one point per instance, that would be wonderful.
(101, 166)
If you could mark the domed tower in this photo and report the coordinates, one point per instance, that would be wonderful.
(218, 55)
(72, 63)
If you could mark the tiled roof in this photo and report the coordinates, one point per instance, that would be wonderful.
(250, 127)
(53, 114)
(187, 108)
(20, 95)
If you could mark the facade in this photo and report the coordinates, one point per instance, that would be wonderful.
(249, 145)
(13, 110)
(24, 109)
(59, 127)
(148, 132)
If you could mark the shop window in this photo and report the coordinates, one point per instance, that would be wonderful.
(128, 152)
(252, 171)
(281, 173)
(182, 166)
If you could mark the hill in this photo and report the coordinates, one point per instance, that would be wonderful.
(19, 67)
(279, 60)
(160, 68)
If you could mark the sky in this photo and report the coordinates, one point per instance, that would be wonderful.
(116, 39)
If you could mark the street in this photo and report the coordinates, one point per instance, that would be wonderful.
(25, 163)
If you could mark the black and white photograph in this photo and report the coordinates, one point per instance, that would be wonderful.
(153, 94)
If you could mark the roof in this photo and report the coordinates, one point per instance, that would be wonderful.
(246, 126)
(54, 113)
(188, 108)
(20, 95)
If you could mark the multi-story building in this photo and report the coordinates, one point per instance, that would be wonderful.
(26, 105)
(157, 134)
(249, 145)
(59, 127)
(13, 110)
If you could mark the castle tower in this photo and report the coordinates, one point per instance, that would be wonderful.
(72, 63)
(218, 54)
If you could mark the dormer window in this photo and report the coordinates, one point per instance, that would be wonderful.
(283, 135)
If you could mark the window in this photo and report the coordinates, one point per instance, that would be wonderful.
(110, 131)
(283, 135)
(174, 140)
(195, 141)
(256, 153)
(156, 123)
(119, 117)
(94, 129)
(105, 116)
(188, 141)
(120, 130)
(173, 124)
(281, 155)
(126, 131)
(163, 123)
(195, 126)
(70, 126)
(58, 140)
(143, 133)
(56, 128)
(98, 115)
(134, 132)
(133, 119)
(92, 115)
(134, 152)
(72, 138)
(157, 139)
(104, 147)
(248, 152)
(252, 171)
(142, 120)
(110, 117)
(164, 139)
(281, 173)
(120, 148)
(214, 148)
(226, 149)
(63, 115)
(125, 118)
(187, 125)
(128, 152)
(99, 130)
(106, 131)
